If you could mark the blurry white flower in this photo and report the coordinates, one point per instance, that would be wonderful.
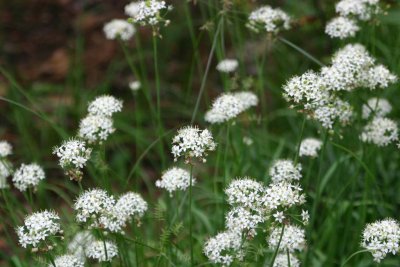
(227, 65)
(175, 179)
(279, 217)
(5, 149)
(28, 176)
(135, 85)
(245, 192)
(336, 110)
(6, 170)
(191, 142)
(309, 147)
(361, 9)
(379, 77)
(241, 220)
(247, 140)
(293, 238)
(381, 238)
(119, 28)
(79, 243)
(270, 19)
(342, 28)
(105, 105)
(377, 107)
(131, 204)
(96, 128)
(283, 195)
(223, 248)
(305, 216)
(281, 260)
(247, 99)
(285, 170)
(39, 227)
(93, 203)
(380, 131)
(67, 261)
(102, 251)
(145, 12)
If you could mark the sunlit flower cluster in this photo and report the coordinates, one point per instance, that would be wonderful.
(96, 128)
(105, 105)
(102, 250)
(119, 28)
(282, 260)
(175, 179)
(341, 27)
(293, 238)
(380, 131)
(376, 107)
(309, 147)
(67, 261)
(223, 248)
(285, 170)
(79, 243)
(271, 20)
(6, 167)
(227, 65)
(5, 149)
(146, 12)
(28, 176)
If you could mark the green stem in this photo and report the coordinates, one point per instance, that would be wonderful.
(191, 216)
(301, 51)
(277, 248)
(352, 255)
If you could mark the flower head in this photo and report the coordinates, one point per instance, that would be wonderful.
(270, 19)
(381, 238)
(245, 192)
(380, 131)
(119, 28)
(283, 195)
(92, 204)
(175, 179)
(135, 85)
(102, 251)
(293, 238)
(361, 9)
(242, 220)
(146, 12)
(105, 106)
(309, 147)
(285, 170)
(28, 176)
(6, 169)
(67, 261)
(191, 142)
(79, 243)
(377, 107)
(224, 248)
(281, 260)
(38, 228)
(5, 149)
(96, 128)
(227, 65)
(379, 77)
(342, 28)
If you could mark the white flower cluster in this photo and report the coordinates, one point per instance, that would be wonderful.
(376, 107)
(135, 85)
(229, 105)
(28, 176)
(38, 228)
(95, 128)
(242, 220)
(191, 142)
(318, 93)
(380, 131)
(146, 12)
(381, 238)
(119, 28)
(285, 170)
(5, 149)
(105, 105)
(283, 195)
(281, 260)
(350, 12)
(245, 192)
(67, 261)
(73, 155)
(342, 28)
(79, 243)
(271, 20)
(175, 179)
(224, 248)
(102, 250)
(101, 210)
(293, 238)
(227, 65)
(309, 147)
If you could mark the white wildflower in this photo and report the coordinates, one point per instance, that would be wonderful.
(270, 19)
(175, 179)
(146, 12)
(131, 204)
(28, 176)
(223, 248)
(285, 170)
(281, 260)
(227, 65)
(102, 251)
(380, 131)
(67, 261)
(309, 147)
(293, 238)
(191, 142)
(361, 9)
(5, 149)
(119, 28)
(279, 216)
(247, 99)
(224, 108)
(105, 105)
(377, 107)
(39, 227)
(92, 204)
(342, 28)
(96, 128)
(305, 216)
(248, 141)
(245, 192)
(79, 243)
(381, 238)
(6, 169)
(379, 77)
(135, 85)
(242, 220)
(283, 195)
(336, 110)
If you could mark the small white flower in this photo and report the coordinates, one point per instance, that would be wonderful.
(270, 19)
(119, 28)
(379, 77)
(281, 260)
(381, 238)
(96, 128)
(37, 229)
(131, 204)
(361, 9)
(5, 149)
(175, 179)
(248, 141)
(305, 216)
(279, 217)
(309, 147)
(6, 169)
(285, 170)
(293, 238)
(92, 204)
(377, 107)
(191, 142)
(67, 261)
(342, 28)
(224, 248)
(102, 251)
(28, 176)
(242, 220)
(380, 131)
(245, 192)
(135, 85)
(146, 12)
(247, 99)
(283, 195)
(105, 106)
(227, 65)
